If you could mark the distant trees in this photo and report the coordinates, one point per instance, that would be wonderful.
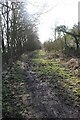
(18, 32)
(48, 45)
(73, 32)
(32, 40)
(67, 41)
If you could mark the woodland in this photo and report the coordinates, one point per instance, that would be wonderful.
(38, 80)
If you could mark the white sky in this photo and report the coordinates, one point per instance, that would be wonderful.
(59, 12)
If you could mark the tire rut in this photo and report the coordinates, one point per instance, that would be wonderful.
(44, 98)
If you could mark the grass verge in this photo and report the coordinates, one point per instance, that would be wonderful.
(65, 82)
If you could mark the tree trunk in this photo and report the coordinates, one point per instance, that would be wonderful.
(7, 28)
(3, 46)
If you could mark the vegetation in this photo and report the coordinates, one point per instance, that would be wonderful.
(64, 79)
(38, 80)
(13, 90)
(67, 43)
(21, 80)
(19, 34)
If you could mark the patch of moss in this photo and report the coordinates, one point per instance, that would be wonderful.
(59, 74)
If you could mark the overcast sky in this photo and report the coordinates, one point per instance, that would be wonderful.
(56, 12)
(62, 13)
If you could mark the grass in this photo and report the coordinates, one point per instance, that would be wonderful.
(65, 79)
(11, 90)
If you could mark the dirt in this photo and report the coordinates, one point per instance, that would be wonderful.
(45, 100)
(40, 98)
(72, 63)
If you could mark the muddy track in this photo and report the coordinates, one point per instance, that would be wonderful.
(44, 99)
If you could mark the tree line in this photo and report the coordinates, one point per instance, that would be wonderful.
(18, 31)
(66, 41)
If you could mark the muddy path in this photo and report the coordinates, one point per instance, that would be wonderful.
(39, 98)
(44, 97)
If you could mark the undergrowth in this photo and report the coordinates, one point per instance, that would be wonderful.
(67, 84)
